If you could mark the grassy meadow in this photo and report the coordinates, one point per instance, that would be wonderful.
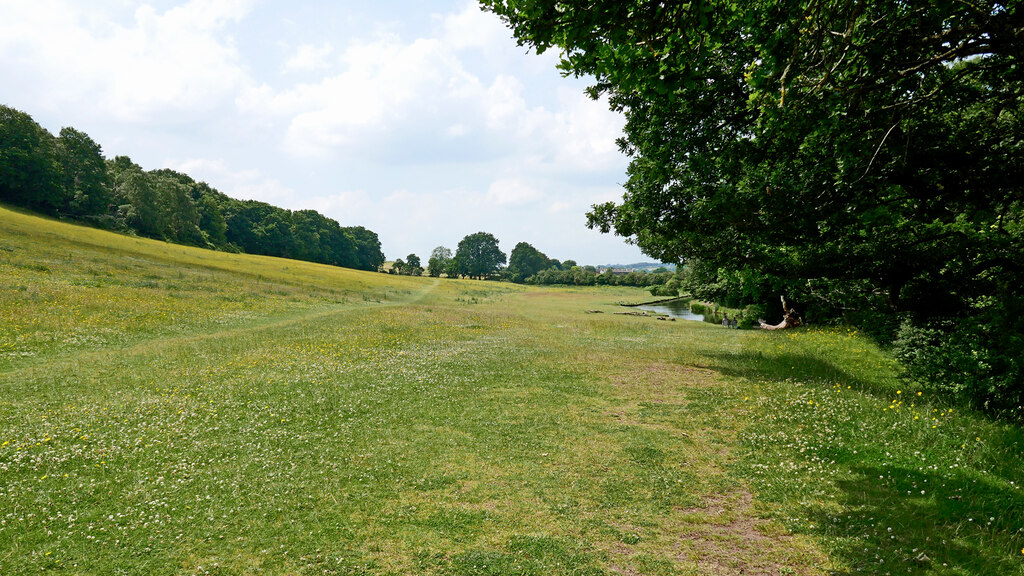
(169, 410)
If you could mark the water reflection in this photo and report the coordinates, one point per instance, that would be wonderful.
(675, 308)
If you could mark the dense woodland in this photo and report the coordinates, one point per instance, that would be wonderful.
(67, 176)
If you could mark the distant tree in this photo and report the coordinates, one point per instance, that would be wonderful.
(525, 261)
(453, 269)
(84, 175)
(670, 288)
(180, 215)
(29, 168)
(368, 254)
(68, 175)
(211, 219)
(606, 278)
(440, 260)
(137, 200)
(478, 255)
(242, 217)
(308, 230)
(398, 267)
(413, 267)
(274, 234)
(568, 264)
(338, 247)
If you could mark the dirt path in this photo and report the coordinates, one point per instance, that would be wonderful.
(727, 532)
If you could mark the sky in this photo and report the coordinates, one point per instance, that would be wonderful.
(421, 120)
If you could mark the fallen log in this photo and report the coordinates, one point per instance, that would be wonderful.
(789, 319)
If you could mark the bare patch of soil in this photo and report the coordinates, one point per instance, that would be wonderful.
(728, 537)
(725, 535)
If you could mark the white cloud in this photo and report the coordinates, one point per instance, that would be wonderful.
(473, 28)
(512, 192)
(586, 132)
(309, 57)
(457, 130)
(177, 60)
(422, 129)
(249, 184)
(558, 207)
(348, 203)
(387, 84)
(504, 105)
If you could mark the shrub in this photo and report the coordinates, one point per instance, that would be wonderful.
(750, 315)
(670, 288)
(979, 363)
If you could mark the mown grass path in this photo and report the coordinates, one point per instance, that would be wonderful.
(173, 411)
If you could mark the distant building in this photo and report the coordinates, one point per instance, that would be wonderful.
(616, 271)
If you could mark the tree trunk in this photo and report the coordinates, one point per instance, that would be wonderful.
(789, 319)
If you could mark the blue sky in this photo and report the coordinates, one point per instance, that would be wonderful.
(421, 120)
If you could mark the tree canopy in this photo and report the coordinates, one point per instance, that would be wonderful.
(440, 261)
(525, 261)
(85, 180)
(478, 255)
(864, 157)
(29, 166)
(408, 267)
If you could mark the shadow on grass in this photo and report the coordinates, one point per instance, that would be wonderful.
(913, 503)
(805, 368)
(898, 519)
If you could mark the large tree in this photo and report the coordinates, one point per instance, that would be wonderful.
(368, 254)
(862, 156)
(525, 261)
(176, 198)
(478, 255)
(85, 183)
(138, 201)
(439, 261)
(29, 167)
(211, 219)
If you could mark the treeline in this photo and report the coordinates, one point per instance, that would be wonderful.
(67, 176)
(478, 256)
(567, 273)
(531, 266)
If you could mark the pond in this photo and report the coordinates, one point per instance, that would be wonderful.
(673, 308)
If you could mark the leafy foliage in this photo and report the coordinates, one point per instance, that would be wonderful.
(408, 267)
(478, 255)
(440, 261)
(525, 261)
(29, 168)
(68, 176)
(85, 180)
(865, 158)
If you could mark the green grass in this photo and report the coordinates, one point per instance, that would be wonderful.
(168, 410)
(884, 476)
